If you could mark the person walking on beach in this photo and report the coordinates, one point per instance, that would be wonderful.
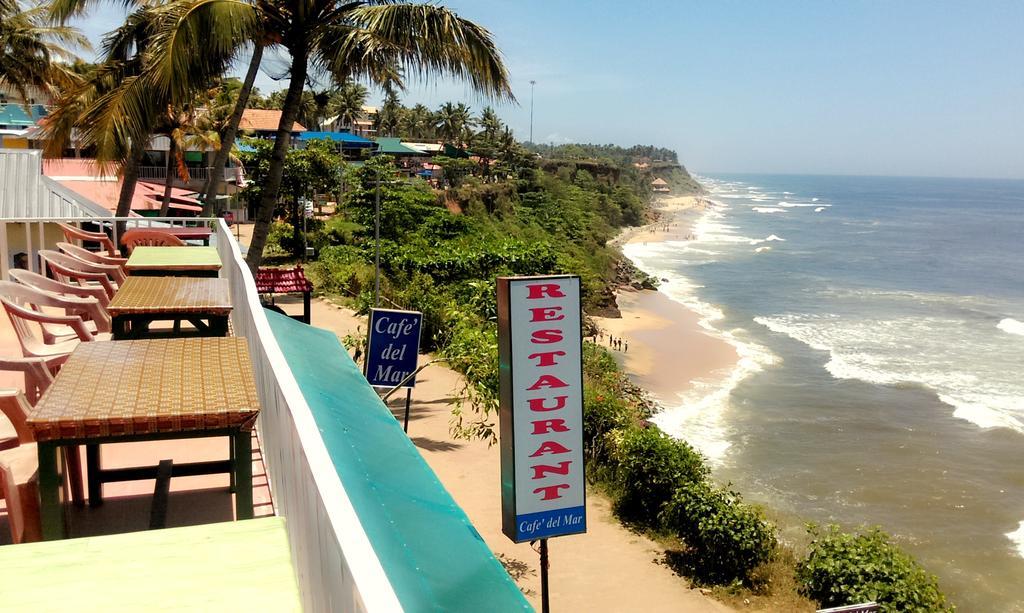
(626, 350)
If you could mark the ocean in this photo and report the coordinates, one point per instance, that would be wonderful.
(880, 324)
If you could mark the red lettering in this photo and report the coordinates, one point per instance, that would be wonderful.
(547, 381)
(549, 447)
(537, 404)
(546, 337)
(551, 290)
(546, 313)
(541, 470)
(551, 491)
(543, 426)
(547, 358)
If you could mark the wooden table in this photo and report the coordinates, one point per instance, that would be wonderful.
(174, 261)
(205, 303)
(235, 566)
(122, 391)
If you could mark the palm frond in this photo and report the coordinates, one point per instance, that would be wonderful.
(419, 40)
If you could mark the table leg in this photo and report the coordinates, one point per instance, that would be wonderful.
(218, 325)
(92, 463)
(50, 509)
(243, 474)
(120, 327)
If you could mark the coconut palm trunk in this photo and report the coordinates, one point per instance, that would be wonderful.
(227, 139)
(129, 178)
(172, 155)
(289, 112)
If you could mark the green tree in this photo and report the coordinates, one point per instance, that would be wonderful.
(370, 39)
(35, 54)
(348, 103)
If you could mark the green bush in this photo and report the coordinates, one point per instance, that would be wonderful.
(648, 467)
(726, 538)
(843, 568)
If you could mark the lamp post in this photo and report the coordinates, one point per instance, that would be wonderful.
(532, 83)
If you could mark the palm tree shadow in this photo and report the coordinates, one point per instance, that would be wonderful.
(430, 444)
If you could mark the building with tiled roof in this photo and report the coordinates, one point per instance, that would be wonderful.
(264, 121)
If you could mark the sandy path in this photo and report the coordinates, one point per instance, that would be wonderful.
(607, 569)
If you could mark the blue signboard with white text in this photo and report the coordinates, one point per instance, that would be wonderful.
(393, 347)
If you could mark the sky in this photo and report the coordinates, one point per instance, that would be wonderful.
(872, 88)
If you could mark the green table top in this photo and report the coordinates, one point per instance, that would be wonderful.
(232, 566)
(174, 258)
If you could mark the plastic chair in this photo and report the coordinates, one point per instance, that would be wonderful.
(68, 269)
(19, 484)
(46, 284)
(95, 258)
(148, 237)
(71, 234)
(23, 303)
(57, 333)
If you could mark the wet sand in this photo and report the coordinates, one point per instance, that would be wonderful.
(668, 350)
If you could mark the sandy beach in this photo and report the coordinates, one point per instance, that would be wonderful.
(607, 569)
(664, 347)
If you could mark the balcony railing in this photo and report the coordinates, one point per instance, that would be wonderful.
(337, 565)
(199, 173)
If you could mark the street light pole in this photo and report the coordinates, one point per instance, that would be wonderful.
(376, 241)
(532, 83)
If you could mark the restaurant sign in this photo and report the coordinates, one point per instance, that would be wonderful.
(393, 347)
(541, 407)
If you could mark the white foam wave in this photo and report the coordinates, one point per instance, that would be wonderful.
(819, 209)
(1017, 538)
(792, 205)
(762, 249)
(917, 350)
(814, 199)
(1011, 326)
(768, 209)
(699, 414)
(771, 237)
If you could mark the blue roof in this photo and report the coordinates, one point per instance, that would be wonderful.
(244, 148)
(347, 139)
(433, 556)
(15, 115)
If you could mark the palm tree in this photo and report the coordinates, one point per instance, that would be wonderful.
(490, 123)
(117, 106)
(389, 116)
(372, 39)
(33, 53)
(348, 103)
(418, 122)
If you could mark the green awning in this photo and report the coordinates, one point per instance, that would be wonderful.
(433, 556)
(393, 146)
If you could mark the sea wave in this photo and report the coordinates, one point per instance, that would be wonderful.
(819, 209)
(1011, 326)
(699, 413)
(793, 205)
(1017, 538)
(768, 209)
(770, 238)
(916, 350)
(762, 249)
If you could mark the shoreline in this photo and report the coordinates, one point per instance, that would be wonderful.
(656, 327)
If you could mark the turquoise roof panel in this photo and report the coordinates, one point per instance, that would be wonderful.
(431, 553)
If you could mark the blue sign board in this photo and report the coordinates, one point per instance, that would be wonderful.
(393, 348)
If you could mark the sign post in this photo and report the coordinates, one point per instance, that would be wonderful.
(392, 351)
(543, 492)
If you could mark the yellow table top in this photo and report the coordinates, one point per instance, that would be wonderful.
(114, 388)
(174, 258)
(171, 295)
(234, 566)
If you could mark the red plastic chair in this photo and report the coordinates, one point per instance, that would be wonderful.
(71, 234)
(147, 237)
(72, 270)
(95, 258)
(23, 305)
(57, 333)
